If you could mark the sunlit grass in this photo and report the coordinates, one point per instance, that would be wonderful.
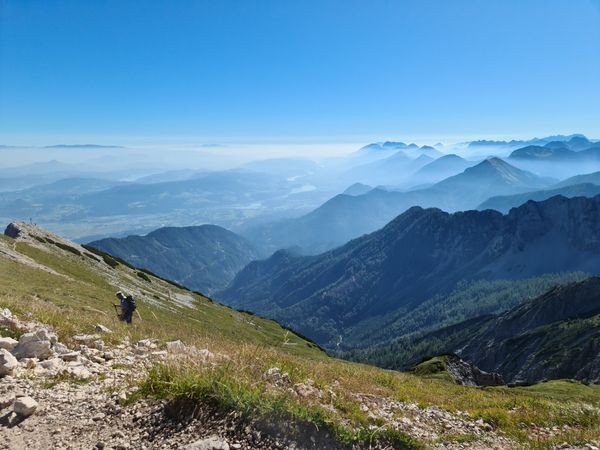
(74, 303)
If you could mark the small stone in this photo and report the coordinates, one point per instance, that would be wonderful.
(60, 348)
(147, 343)
(71, 356)
(5, 402)
(25, 406)
(102, 329)
(98, 345)
(175, 347)
(79, 372)
(98, 416)
(86, 337)
(8, 363)
(52, 364)
(211, 443)
(305, 390)
(8, 343)
(277, 377)
(97, 359)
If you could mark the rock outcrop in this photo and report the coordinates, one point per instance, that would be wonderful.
(553, 336)
(469, 375)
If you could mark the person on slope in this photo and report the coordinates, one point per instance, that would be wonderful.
(128, 306)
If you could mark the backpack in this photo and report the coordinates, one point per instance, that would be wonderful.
(131, 306)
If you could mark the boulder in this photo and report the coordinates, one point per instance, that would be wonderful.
(12, 231)
(8, 343)
(34, 345)
(24, 406)
(8, 363)
(211, 443)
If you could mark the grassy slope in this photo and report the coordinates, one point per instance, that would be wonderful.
(75, 304)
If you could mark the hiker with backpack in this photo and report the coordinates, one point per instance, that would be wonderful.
(128, 306)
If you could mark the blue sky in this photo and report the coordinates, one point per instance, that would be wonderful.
(297, 71)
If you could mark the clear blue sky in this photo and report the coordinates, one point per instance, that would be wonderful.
(297, 70)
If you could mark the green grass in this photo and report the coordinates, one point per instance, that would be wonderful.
(85, 296)
(434, 368)
(223, 388)
(72, 303)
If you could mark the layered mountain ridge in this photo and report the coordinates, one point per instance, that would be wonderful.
(420, 254)
(346, 217)
(204, 258)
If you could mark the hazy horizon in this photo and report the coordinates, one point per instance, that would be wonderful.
(328, 77)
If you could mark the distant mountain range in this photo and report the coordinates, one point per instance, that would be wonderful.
(505, 203)
(204, 258)
(393, 169)
(587, 185)
(558, 153)
(346, 217)
(574, 138)
(90, 146)
(443, 167)
(357, 189)
(421, 254)
(559, 159)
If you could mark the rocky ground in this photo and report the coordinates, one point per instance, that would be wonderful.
(55, 397)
